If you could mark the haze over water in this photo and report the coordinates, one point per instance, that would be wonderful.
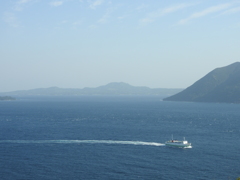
(89, 43)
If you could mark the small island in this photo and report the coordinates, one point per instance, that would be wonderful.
(7, 98)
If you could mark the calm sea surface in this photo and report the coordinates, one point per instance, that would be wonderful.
(117, 138)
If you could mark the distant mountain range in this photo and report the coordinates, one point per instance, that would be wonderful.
(114, 89)
(6, 98)
(220, 85)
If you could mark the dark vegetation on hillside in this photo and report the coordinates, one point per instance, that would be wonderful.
(220, 85)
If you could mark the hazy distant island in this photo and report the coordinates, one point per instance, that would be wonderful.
(111, 89)
(221, 85)
(7, 98)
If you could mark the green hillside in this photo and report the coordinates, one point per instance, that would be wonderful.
(220, 85)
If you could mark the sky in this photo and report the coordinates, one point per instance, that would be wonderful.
(89, 43)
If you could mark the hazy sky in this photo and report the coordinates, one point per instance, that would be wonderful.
(88, 43)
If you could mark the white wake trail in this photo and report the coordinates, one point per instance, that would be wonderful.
(83, 141)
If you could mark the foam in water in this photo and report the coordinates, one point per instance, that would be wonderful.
(83, 141)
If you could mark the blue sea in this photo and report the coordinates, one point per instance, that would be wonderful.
(61, 138)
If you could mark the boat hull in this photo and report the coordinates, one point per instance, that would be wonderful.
(179, 145)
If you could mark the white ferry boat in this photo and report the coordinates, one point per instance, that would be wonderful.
(177, 143)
